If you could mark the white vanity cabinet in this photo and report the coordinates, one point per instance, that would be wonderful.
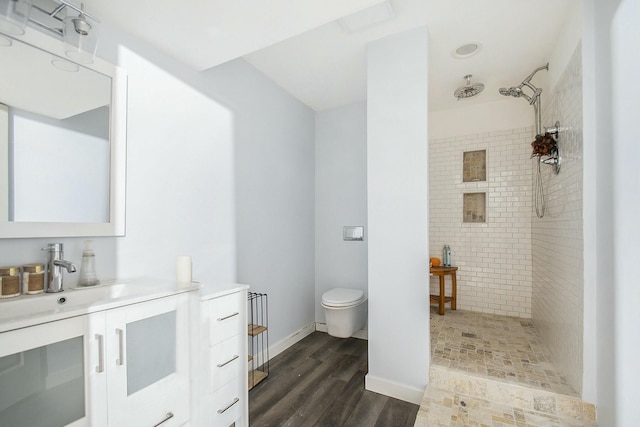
(49, 375)
(147, 363)
(121, 367)
(221, 386)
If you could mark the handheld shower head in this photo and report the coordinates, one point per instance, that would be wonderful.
(533, 99)
(514, 91)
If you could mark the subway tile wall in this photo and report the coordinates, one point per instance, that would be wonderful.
(494, 257)
(557, 243)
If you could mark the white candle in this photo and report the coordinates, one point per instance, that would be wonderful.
(183, 269)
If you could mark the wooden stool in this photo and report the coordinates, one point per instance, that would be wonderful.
(441, 299)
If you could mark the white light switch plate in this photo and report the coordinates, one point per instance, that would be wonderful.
(353, 233)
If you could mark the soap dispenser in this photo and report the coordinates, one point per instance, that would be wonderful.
(446, 256)
(88, 275)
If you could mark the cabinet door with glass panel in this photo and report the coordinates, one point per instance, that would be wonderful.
(123, 367)
(51, 375)
(148, 363)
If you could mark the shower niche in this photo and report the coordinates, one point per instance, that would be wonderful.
(474, 169)
(474, 166)
(474, 207)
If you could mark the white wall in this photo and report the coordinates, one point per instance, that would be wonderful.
(219, 163)
(598, 200)
(612, 199)
(341, 199)
(274, 177)
(180, 195)
(509, 113)
(397, 172)
(626, 179)
(180, 185)
(493, 257)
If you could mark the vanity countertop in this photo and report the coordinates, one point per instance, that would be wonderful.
(215, 290)
(30, 310)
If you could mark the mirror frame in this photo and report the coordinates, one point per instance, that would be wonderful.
(117, 149)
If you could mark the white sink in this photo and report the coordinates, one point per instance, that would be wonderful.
(33, 305)
(28, 310)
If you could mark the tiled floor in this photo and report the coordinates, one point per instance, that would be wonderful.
(443, 408)
(498, 347)
(494, 371)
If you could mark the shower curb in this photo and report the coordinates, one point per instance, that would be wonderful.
(569, 408)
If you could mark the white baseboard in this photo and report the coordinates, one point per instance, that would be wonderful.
(303, 332)
(287, 342)
(362, 333)
(321, 327)
(393, 389)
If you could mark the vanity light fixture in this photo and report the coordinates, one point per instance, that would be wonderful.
(81, 36)
(77, 28)
(14, 15)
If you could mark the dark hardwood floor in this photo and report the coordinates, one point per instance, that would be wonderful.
(320, 382)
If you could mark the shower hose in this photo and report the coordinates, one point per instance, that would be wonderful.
(539, 193)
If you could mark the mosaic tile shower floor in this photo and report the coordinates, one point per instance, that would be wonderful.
(504, 348)
(494, 371)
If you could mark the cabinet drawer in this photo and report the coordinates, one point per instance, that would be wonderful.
(227, 404)
(226, 317)
(227, 361)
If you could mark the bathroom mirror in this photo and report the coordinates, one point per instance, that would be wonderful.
(62, 141)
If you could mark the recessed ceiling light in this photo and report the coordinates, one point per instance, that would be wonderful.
(466, 50)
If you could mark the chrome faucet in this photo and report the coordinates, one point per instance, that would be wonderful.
(54, 267)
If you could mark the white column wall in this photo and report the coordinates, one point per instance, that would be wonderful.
(397, 193)
(612, 200)
(626, 204)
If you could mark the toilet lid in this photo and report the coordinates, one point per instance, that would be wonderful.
(340, 297)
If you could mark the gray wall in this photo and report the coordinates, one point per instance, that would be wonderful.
(274, 163)
(341, 199)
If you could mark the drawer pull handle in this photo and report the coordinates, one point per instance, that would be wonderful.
(220, 365)
(100, 367)
(120, 359)
(166, 418)
(223, 410)
(220, 319)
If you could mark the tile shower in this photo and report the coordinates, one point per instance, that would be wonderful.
(514, 263)
(557, 243)
(494, 256)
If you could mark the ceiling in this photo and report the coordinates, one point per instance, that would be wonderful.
(304, 49)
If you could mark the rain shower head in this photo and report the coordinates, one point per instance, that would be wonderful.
(468, 90)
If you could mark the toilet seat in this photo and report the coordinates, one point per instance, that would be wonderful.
(341, 297)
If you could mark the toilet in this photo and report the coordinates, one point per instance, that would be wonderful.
(345, 311)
